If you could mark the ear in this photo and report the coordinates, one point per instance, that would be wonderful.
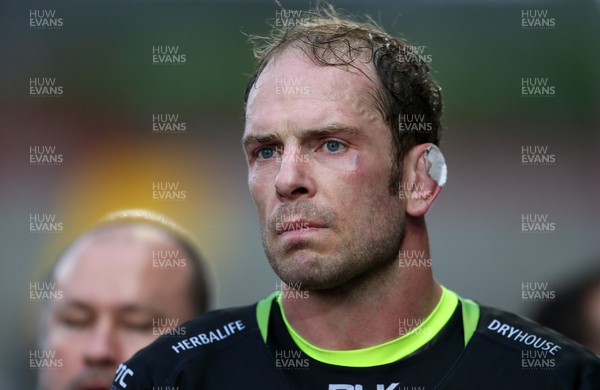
(424, 174)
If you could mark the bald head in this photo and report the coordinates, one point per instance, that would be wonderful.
(123, 285)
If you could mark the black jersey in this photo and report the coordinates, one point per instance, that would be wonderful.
(462, 345)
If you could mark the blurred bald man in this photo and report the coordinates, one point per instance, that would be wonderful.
(134, 277)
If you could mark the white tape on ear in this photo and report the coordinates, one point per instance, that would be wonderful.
(435, 165)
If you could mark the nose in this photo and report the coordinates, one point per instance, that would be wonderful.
(102, 349)
(294, 179)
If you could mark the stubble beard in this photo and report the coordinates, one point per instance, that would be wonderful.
(372, 243)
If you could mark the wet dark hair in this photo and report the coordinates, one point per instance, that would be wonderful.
(405, 87)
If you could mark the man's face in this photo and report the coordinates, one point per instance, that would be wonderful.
(319, 163)
(115, 300)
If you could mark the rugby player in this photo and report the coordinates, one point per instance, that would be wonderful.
(342, 181)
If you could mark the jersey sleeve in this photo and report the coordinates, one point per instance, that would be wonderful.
(175, 359)
(513, 351)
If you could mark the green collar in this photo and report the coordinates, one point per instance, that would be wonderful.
(384, 353)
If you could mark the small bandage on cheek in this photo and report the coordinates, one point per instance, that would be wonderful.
(435, 164)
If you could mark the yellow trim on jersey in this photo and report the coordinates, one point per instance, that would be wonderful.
(388, 352)
(263, 310)
(470, 315)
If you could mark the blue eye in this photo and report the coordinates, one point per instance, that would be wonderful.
(333, 146)
(266, 153)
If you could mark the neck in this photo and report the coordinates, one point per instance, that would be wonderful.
(366, 311)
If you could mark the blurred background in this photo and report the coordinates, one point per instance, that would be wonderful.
(105, 123)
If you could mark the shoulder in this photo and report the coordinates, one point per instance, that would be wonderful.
(522, 351)
(212, 335)
(517, 333)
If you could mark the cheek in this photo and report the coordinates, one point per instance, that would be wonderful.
(362, 175)
(68, 343)
(364, 189)
(261, 187)
(61, 336)
(337, 172)
(257, 196)
(64, 347)
(70, 352)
